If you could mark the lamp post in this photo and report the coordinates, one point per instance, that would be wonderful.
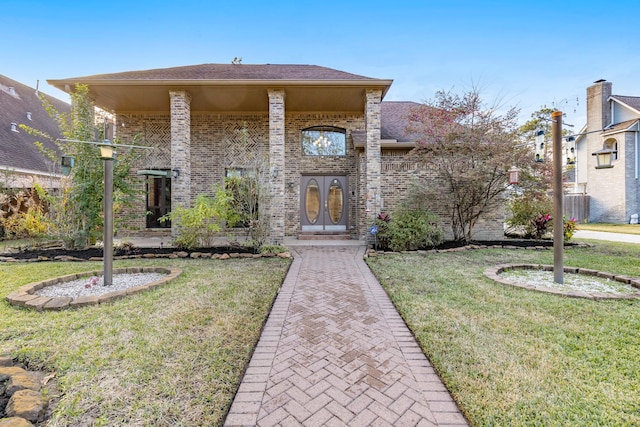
(106, 153)
(558, 225)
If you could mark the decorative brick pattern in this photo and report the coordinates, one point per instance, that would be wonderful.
(334, 351)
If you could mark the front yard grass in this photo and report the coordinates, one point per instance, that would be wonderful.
(513, 357)
(172, 356)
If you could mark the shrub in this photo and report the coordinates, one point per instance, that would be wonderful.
(273, 249)
(409, 229)
(528, 214)
(569, 228)
(198, 225)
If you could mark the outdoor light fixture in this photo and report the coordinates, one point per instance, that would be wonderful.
(175, 173)
(106, 150)
(290, 185)
(514, 175)
(604, 158)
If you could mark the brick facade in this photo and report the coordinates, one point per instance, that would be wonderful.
(212, 142)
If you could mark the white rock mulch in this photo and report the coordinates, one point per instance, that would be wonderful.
(93, 285)
(572, 282)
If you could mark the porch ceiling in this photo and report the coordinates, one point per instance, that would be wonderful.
(226, 95)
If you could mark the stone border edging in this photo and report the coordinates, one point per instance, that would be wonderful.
(173, 255)
(26, 402)
(24, 296)
(493, 273)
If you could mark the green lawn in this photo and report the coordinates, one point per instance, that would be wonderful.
(611, 228)
(513, 357)
(172, 356)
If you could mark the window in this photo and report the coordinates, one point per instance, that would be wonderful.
(324, 141)
(611, 144)
(244, 186)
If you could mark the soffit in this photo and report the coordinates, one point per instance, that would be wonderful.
(229, 96)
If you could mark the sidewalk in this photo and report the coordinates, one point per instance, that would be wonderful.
(612, 237)
(334, 351)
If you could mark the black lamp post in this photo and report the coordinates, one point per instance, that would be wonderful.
(106, 154)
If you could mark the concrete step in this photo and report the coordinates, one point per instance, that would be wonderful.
(330, 235)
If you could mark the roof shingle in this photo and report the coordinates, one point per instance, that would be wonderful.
(232, 72)
(17, 149)
(631, 101)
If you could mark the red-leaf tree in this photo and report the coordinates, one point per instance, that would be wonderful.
(470, 146)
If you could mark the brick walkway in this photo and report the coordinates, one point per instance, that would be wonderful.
(334, 352)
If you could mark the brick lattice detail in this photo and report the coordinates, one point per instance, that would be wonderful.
(157, 134)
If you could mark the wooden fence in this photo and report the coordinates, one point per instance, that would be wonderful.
(576, 206)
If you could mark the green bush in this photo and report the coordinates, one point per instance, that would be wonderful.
(527, 214)
(198, 225)
(410, 229)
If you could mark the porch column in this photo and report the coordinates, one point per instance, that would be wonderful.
(180, 149)
(373, 158)
(276, 165)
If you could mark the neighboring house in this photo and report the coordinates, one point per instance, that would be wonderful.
(21, 161)
(337, 153)
(608, 155)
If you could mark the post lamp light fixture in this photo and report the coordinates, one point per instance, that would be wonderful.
(603, 158)
(514, 175)
(107, 152)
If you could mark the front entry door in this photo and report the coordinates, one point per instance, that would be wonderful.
(324, 203)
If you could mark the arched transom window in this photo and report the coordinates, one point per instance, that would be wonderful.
(324, 141)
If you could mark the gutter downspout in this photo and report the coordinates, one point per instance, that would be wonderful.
(637, 154)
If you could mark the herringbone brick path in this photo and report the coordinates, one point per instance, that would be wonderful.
(335, 352)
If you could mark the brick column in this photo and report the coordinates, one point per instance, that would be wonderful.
(180, 149)
(276, 165)
(373, 183)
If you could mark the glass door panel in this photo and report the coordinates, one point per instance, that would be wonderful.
(323, 203)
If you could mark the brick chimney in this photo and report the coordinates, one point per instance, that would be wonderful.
(598, 110)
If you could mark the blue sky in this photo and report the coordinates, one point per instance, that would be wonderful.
(524, 54)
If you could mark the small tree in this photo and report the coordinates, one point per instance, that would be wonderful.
(470, 147)
(250, 188)
(77, 210)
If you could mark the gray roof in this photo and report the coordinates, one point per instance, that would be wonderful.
(17, 149)
(394, 117)
(232, 72)
(631, 101)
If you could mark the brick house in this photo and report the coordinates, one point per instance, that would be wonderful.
(337, 152)
(613, 124)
